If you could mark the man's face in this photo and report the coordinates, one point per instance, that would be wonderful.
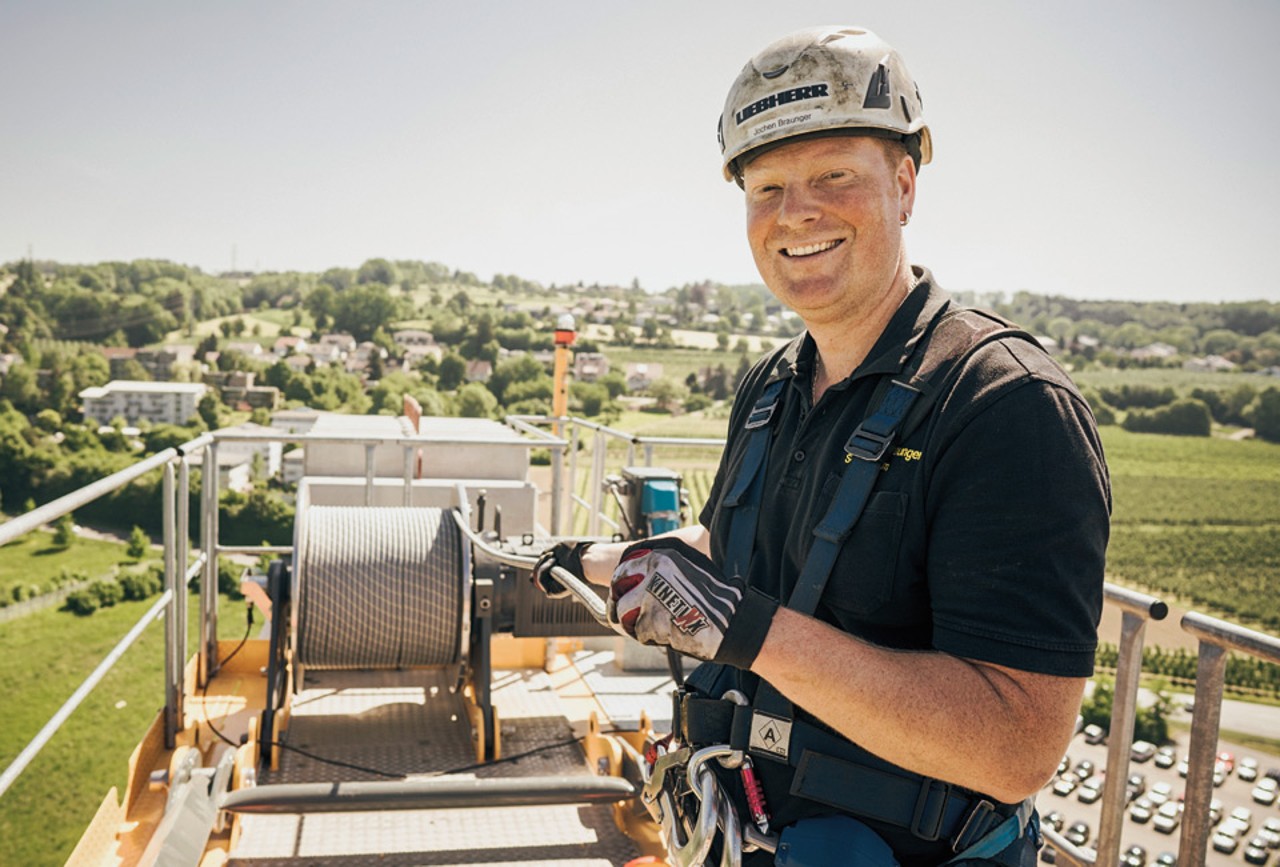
(823, 224)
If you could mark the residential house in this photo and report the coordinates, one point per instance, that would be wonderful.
(589, 366)
(267, 453)
(156, 402)
(1154, 352)
(479, 370)
(289, 345)
(641, 375)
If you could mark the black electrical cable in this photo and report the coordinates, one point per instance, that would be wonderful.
(204, 691)
(462, 769)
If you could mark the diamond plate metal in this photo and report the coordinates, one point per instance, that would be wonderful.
(409, 723)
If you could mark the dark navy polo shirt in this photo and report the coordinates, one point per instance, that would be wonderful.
(986, 533)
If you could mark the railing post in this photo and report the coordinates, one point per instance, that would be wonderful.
(648, 454)
(1124, 710)
(368, 473)
(171, 652)
(631, 453)
(209, 583)
(180, 573)
(597, 482)
(573, 470)
(1202, 753)
(407, 500)
(557, 487)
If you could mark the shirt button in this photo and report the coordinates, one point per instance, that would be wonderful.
(799, 455)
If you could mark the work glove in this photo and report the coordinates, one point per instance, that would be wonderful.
(667, 593)
(566, 555)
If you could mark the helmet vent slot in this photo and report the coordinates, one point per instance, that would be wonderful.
(878, 87)
(774, 73)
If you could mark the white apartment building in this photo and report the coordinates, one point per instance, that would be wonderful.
(156, 402)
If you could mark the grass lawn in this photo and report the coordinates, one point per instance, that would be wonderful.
(43, 658)
(33, 559)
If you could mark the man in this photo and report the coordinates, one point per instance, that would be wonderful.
(914, 639)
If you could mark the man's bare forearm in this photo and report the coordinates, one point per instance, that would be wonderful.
(992, 729)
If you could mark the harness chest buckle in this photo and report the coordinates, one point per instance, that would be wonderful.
(926, 822)
(975, 825)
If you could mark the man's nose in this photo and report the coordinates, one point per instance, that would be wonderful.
(799, 206)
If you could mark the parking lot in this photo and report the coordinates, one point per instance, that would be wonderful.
(1233, 792)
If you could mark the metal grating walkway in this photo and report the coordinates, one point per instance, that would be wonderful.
(409, 723)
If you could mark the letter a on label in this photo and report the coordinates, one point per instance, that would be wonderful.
(770, 734)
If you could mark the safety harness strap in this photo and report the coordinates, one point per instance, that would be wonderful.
(745, 495)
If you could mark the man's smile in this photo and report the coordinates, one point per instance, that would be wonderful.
(810, 249)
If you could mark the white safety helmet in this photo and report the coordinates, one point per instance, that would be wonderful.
(823, 81)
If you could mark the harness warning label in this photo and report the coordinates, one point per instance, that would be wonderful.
(770, 734)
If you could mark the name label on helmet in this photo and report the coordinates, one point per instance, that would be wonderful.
(782, 97)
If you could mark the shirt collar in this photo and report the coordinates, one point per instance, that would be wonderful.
(892, 348)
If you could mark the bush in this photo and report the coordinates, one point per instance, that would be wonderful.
(106, 592)
(138, 586)
(1141, 396)
(697, 402)
(1186, 417)
(81, 603)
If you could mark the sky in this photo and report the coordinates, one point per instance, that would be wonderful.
(1091, 149)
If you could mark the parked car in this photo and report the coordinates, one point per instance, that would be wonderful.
(1048, 855)
(1228, 761)
(1256, 855)
(1078, 833)
(1135, 785)
(1160, 792)
(1166, 859)
(1140, 810)
(1084, 769)
(1265, 792)
(1166, 757)
(1093, 734)
(1090, 790)
(1184, 767)
(1065, 784)
(1142, 751)
(1244, 816)
(1065, 764)
(1224, 844)
(1269, 839)
(1167, 818)
(1054, 820)
(1247, 769)
(1134, 856)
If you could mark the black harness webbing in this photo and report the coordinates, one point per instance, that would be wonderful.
(829, 768)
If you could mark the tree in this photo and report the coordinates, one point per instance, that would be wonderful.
(1264, 415)
(362, 309)
(138, 544)
(452, 370)
(476, 401)
(63, 532)
(210, 409)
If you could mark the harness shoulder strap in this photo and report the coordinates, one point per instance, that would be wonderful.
(745, 494)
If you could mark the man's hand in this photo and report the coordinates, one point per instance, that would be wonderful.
(566, 555)
(667, 593)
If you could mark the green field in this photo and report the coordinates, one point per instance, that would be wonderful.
(34, 560)
(43, 658)
(1198, 518)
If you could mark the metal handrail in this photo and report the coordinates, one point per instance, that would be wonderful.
(29, 752)
(1216, 637)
